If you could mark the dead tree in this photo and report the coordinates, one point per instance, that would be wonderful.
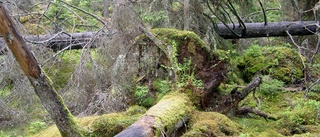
(50, 99)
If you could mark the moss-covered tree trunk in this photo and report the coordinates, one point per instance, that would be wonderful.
(43, 88)
(163, 119)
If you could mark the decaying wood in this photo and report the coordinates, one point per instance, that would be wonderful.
(231, 101)
(43, 88)
(62, 40)
(163, 119)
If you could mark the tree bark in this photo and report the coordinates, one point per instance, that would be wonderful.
(43, 88)
(62, 40)
(186, 14)
(273, 29)
(106, 12)
(163, 119)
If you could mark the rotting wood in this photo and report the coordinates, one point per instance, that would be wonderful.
(163, 119)
(230, 102)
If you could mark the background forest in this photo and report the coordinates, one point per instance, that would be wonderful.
(106, 59)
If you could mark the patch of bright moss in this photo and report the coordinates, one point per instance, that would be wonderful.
(296, 116)
(111, 124)
(102, 126)
(281, 63)
(211, 124)
(176, 37)
(172, 109)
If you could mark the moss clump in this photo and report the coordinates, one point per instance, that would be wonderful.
(111, 124)
(281, 63)
(103, 126)
(172, 109)
(162, 87)
(295, 120)
(178, 37)
(211, 124)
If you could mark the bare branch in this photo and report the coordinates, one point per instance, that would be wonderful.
(264, 13)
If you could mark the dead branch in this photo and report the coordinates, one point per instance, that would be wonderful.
(246, 110)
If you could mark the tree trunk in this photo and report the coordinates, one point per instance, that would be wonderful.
(106, 9)
(273, 29)
(163, 119)
(186, 14)
(42, 84)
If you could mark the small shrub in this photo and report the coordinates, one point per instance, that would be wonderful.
(270, 87)
(306, 112)
(141, 95)
(154, 18)
(36, 126)
(162, 87)
(186, 75)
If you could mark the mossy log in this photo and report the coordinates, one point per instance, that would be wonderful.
(163, 119)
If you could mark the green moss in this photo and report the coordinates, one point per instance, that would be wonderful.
(293, 121)
(111, 124)
(211, 124)
(282, 63)
(172, 109)
(176, 37)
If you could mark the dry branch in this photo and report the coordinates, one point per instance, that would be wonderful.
(246, 110)
(231, 101)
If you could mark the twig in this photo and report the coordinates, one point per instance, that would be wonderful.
(225, 24)
(300, 55)
(264, 13)
(82, 10)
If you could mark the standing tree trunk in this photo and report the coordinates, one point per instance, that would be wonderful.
(167, 6)
(186, 14)
(42, 84)
(106, 12)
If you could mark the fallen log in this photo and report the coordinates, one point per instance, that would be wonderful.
(56, 42)
(272, 29)
(163, 119)
(229, 31)
(62, 40)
